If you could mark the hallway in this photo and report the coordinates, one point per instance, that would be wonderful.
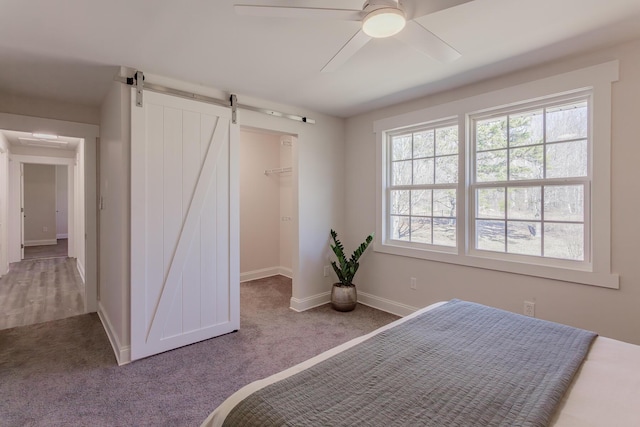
(42, 289)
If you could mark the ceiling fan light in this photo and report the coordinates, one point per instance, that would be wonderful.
(384, 22)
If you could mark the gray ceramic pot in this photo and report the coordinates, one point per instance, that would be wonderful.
(343, 298)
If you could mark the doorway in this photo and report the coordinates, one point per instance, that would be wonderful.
(44, 207)
(45, 213)
(266, 204)
(33, 202)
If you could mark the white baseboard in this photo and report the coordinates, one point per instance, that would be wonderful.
(286, 272)
(384, 304)
(5, 270)
(265, 272)
(62, 236)
(80, 268)
(43, 242)
(303, 304)
(122, 353)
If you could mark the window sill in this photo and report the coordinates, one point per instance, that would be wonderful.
(581, 276)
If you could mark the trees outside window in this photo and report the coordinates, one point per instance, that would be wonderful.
(423, 172)
(531, 181)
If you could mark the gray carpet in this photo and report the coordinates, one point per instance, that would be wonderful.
(64, 373)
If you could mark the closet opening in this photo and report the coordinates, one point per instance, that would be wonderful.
(267, 214)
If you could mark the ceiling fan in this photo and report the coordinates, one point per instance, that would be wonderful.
(380, 19)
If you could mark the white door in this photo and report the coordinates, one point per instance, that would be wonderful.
(184, 223)
(62, 200)
(4, 211)
(22, 212)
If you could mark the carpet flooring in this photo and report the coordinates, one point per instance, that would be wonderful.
(64, 373)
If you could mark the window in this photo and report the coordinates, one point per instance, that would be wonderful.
(530, 190)
(516, 180)
(423, 176)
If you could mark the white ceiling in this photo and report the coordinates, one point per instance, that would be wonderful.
(68, 50)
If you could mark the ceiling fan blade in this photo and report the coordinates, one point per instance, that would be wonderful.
(347, 51)
(416, 8)
(418, 37)
(298, 12)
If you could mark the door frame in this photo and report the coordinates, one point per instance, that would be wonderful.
(21, 214)
(73, 225)
(294, 201)
(65, 206)
(89, 133)
(4, 211)
(262, 123)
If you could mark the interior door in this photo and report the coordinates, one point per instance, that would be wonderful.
(23, 214)
(184, 223)
(62, 195)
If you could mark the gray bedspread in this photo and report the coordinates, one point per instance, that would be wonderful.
(461, 364)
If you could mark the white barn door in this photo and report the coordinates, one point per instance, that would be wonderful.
(184, 223)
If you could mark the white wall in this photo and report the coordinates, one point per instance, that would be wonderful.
(4, 205)
(115, 182)
(286, 204)
(62, 202)
(39, 204)
(259, 204)
(612, 313)
(46, 108)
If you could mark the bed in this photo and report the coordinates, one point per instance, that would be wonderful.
(482, 366)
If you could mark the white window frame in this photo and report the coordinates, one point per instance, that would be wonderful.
(584, 96)
(596, 270)
(450, 122)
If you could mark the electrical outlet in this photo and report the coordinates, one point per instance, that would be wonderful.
(530, 309)
(413, 283)
(327, 270)
(45, 229)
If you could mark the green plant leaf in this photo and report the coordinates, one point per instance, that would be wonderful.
(345, 268)
(338, 272)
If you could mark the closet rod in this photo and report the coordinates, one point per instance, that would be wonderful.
(131, 81)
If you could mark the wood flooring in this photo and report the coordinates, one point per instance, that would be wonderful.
(61, 249)
(40, 290)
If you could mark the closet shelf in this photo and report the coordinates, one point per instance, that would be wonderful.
(277, 170)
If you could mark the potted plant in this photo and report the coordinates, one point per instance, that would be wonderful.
(343, 293)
